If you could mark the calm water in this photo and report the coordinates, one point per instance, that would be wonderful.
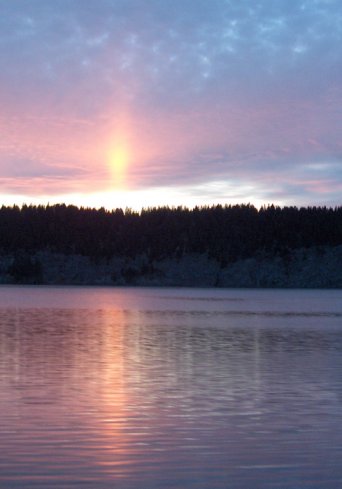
(170, 388)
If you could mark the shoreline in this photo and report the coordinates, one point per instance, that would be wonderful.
(311, 268)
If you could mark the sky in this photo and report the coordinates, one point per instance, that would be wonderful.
(138, 103)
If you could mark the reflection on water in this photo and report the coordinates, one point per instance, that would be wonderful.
(170, 388)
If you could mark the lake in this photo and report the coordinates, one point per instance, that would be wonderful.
(170, 388)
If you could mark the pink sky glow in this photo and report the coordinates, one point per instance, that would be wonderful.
(106, 105)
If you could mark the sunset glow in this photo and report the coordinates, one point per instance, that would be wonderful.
(138, 104)
(118, 163)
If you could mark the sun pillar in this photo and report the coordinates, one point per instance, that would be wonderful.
(118, 160)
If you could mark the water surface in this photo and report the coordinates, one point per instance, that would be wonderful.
(170, 388)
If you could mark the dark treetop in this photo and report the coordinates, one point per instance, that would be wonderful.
(226, 233)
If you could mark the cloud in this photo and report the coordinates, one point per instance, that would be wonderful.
(197, 45)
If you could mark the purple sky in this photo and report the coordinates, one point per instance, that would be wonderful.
(137, 103)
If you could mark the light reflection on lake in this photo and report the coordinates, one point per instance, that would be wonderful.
(170, 388)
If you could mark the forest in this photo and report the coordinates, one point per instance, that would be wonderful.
(225, 233)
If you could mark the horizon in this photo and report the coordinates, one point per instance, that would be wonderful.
(141, 104)
(127, 210)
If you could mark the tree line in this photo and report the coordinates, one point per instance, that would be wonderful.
(226, 233)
